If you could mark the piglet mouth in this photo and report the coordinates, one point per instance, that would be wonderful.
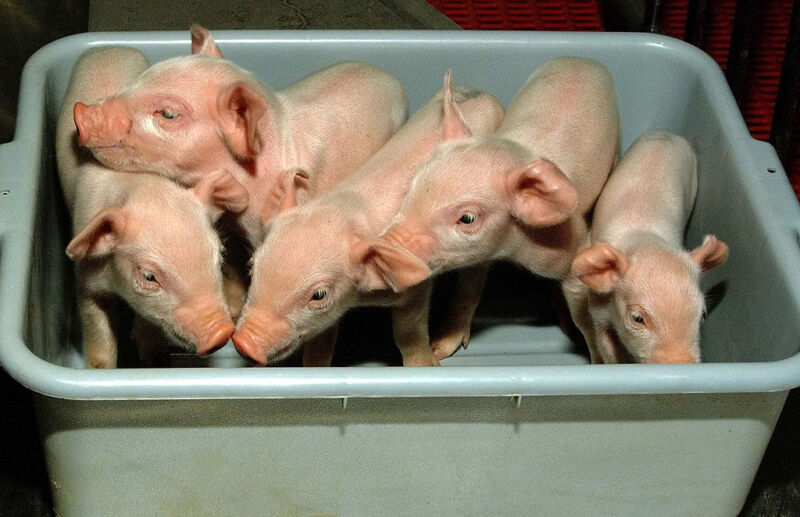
(111, 146)
(215, 338)
(272, 356)
(118, 147)
(437, 265)
(282, 352)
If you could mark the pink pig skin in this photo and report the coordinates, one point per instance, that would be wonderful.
(131, 232)
(189, 116)
(521, 194)
(635, 294)
(323, 247)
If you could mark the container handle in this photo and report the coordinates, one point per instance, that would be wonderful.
(7, 186)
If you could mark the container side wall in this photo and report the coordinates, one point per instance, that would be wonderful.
(673, 455)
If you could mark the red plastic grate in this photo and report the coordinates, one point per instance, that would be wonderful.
(767, 59)
(718, 29)
(673, 18)
(575, 15)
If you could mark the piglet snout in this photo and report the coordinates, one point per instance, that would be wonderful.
(412, 238)
(258, 334)
(207, 323)
(216, 337)
(673, 355)
(101, 125)
(246, 342)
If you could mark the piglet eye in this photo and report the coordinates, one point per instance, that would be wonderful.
(468, 218)
(148, 276)
(168, 114)
(319, 294)
(637, 317)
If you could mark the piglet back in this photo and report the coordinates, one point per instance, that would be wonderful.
(652, 189)
(567, 112)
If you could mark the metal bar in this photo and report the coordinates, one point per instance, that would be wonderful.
(748, 12)
(652, 16)
(784, 116)
(695, 22)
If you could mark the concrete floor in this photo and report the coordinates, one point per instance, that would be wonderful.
(137, 15)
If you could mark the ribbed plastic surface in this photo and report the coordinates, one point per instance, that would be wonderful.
(719, 25)
(572, 15)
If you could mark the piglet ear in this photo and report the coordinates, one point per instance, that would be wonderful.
(600, 267)
(386, 266)
(710, 254)
(222, 191)
(541, 195)
(203, 43)
(100, 236)
(453, 125)
(291, 189)
(240, 108)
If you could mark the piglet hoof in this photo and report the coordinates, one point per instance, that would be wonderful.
(420, 359)
(446, 346)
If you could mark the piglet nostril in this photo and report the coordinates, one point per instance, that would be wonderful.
(81, 116)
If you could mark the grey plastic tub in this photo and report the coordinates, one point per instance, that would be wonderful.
(517, 424)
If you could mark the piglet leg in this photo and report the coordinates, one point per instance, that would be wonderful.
(410, 326)
(318, 351)
(454, 330)
(235, 288)
(98, 332)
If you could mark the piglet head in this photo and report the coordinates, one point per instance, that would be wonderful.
(302, 282)
(463, 204)
(162, 256)
(464, 201)
(182, 117)
(647, 304)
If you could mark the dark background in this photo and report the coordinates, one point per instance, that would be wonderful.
(755, 42)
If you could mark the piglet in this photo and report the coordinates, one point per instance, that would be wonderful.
(140, 237)
(190, 116)
(637, 292)
(520, 194)
(317, 261)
